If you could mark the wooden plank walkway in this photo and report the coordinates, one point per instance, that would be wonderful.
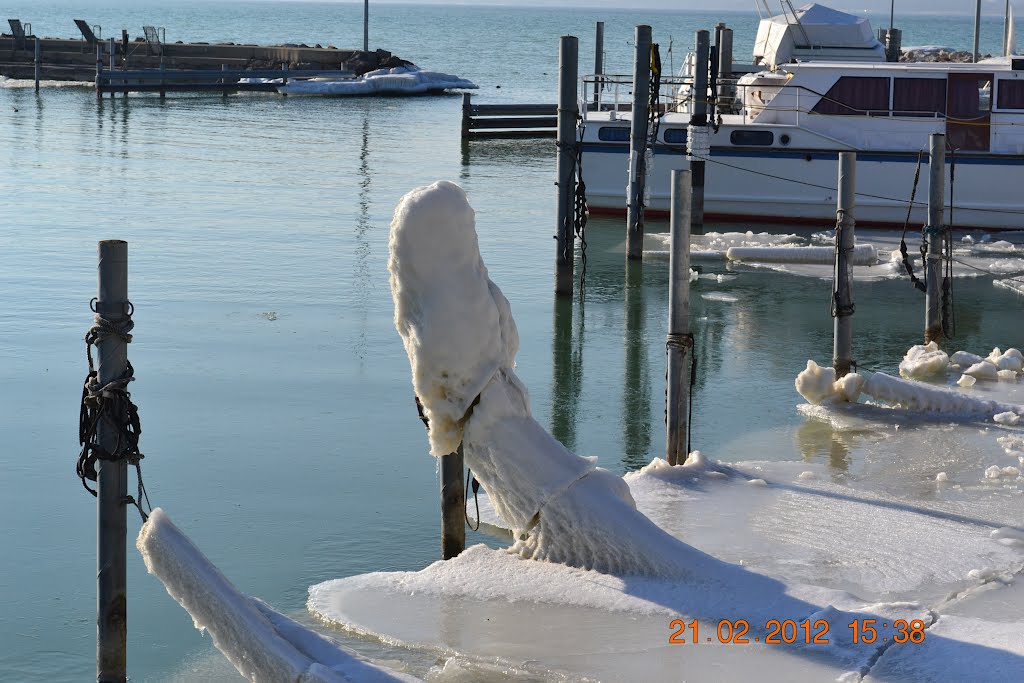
(507, 120)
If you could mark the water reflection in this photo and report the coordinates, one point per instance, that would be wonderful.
(361, 258)
(567, 365)
(816, 440)
(636, 400)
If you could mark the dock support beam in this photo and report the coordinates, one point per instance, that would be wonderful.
(599, 63)
(38, 61)
(638, 143)
(565, 166)
(933, 237)
(842, 295)
(453, 505)
(698, 138)
(112, 482)
(680, 343)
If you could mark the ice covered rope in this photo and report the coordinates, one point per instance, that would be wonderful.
(462, 342)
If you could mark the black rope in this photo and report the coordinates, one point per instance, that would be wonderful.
(576, 198)
(476, 488)
(906, 224)
(109, 405)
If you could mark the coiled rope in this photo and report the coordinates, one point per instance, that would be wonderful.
(111, 405)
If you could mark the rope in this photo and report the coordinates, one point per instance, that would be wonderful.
(840, 310)
(916, 281)
(109, 404)
(576, 197)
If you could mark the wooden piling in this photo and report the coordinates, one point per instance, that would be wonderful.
(842, 304)
(366, 25)
(638, 143)
(112, 46)
(453, 505)
(598, 63)
(568, 111)
(698, 134)
(112, 482)
(933, 237)
(679, 346)
(38, 61)
(99, 70)
(723, 43)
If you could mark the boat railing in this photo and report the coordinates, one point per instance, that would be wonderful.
(614, 93)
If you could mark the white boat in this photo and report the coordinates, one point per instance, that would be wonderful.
(820, 85)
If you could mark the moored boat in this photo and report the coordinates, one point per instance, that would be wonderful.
(819, 86)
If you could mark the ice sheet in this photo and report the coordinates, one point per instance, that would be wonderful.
(261, 643)
(401, 80)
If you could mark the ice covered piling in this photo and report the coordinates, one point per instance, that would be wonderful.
(818, 385)
(923, 361)
(261, 643)
(462, 341)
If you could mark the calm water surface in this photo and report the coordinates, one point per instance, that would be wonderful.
(277, 410)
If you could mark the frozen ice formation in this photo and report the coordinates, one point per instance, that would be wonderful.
(983, 370)
(399, 80)
(818, 385)
(863, 254)
(966, 381)
(261, 643)
(1006, 418)
(461, 340)
(964, 359)
(912, 395)
(924, 361)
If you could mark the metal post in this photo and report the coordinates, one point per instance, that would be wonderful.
(38, 61)
(1006, 30)
(933, 237)
(726, 90)
(99, 70)
(112, 482)
(366, 25)
(842, 304)
(977, 29)
(453, 505)
(679, 344)
(568, 110)
(599, 63)
(698, 136)
(113, 55)
(638, 143)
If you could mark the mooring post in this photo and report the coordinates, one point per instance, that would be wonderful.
(38, 61)
(224, 81)
(366, 25)
(680, 344)
(638, 143)
(565, 164)
(112, 482)
(933, 237)
(977, 30)
(842, 303)
(467, 104)
(453, 505)
(598, 63)
(723, 42)
(99, 70)
(112, 46)
(698, 137)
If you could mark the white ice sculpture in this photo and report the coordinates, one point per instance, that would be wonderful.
(462, 341)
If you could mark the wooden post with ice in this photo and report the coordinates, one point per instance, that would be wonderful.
(698, 137)
(680, 343)
(112, 480)
(933, 238)
(842, 303)
(453, 504)
(638, 143)
(565, 166)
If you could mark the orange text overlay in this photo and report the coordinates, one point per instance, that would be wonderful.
(786, 631)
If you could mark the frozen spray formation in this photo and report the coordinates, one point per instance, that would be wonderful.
(462, 342)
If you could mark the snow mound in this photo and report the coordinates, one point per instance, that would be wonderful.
(819, 385)
(923, 361)
(400, 80)
(261, 643)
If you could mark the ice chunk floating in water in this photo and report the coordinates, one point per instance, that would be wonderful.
(263, 644)
(462, 341)
(400, 80)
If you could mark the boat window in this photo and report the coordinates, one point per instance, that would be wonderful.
(752, 137)
(855, 96)
(969, 96)
(1010, 94)
(918, 97)
(613, 134)
(675, 136)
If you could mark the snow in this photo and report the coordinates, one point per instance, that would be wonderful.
(261, 643)
(819, 385)
(862, 255)
(400, 80)
(923, 361)
(461, 340)
(1012, 285)
(983, 370)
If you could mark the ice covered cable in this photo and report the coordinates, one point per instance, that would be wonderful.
(462, 342)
